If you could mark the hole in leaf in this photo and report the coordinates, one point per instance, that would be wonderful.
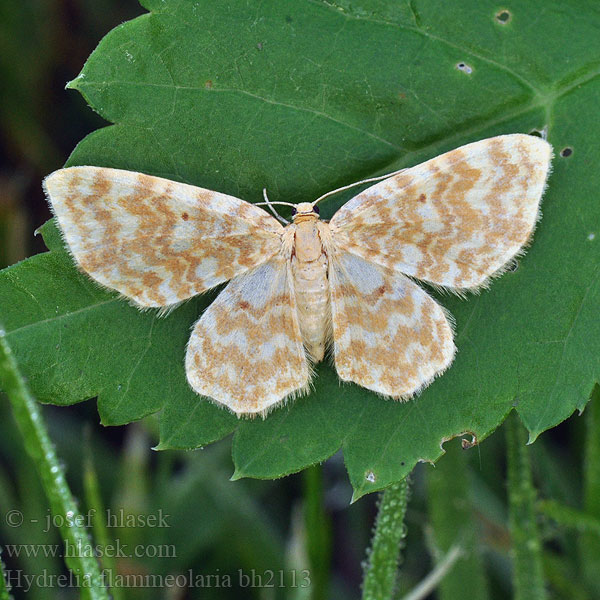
(370, 476)
(464, 67)
(541, 133)
(503, 16)
(566, 152)
(591, 237)
(467, 444)
(513, 266)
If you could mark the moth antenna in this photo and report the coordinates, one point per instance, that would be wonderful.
(351, 185)
(270, 205)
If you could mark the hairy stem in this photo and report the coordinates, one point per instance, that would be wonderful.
(381, 572)
(4, 587)
(526, 545)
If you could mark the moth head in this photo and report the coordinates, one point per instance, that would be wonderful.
(304, 210)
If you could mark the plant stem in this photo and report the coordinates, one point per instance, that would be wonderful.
(318, 532)
(4, 586)
(380, 577)
(589, 545)
(526, 545)
(64, 508)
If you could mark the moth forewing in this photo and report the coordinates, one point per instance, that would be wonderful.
(156, 241)
(456, 219)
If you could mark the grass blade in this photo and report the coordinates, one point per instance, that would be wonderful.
(93, 500)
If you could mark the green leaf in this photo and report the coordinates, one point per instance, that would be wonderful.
(300, 97)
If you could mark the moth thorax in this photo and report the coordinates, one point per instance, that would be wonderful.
(305, 211)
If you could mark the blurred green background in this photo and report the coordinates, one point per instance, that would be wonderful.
(216, 527)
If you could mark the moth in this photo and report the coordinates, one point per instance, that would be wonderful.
(295, 291)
